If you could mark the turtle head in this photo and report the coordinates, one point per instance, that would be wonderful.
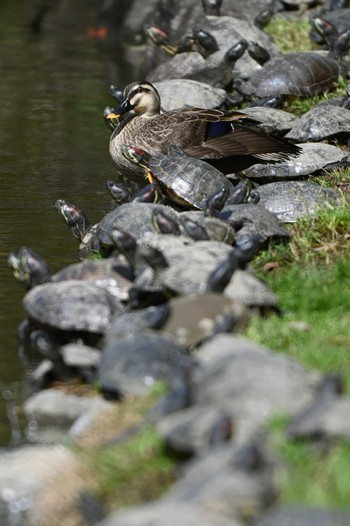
(28, 267)
(136, 155)
(160, 39)
(74, 217)
(142, 97)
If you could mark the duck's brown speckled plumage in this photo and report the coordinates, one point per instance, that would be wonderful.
(187, 127)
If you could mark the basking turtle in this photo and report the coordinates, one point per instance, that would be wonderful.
(220, 76)
(321, 122)
(71, 305)
(304, 74)
(314, 158)
(272, 120)
(30, 269)
(79, 225)
(177, 267)
(176, 93)
(187, 180)
(290, 200)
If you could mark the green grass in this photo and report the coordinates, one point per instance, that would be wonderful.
(319, 297)
(290, 36)
(135, 470)
(126, 461)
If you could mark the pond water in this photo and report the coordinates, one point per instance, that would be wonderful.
(53, 144)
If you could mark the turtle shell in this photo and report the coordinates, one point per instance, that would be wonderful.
(176, 93)
(187, 179)
(290, 200)
(71, 305)
(313, 158)
(321, 122)
(305, 74)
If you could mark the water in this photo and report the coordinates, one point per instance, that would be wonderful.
(53, 144)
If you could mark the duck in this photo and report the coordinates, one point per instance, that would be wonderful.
(229, 140)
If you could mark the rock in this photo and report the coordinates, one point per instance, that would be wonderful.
(24, 476)
(194, 430)
(51, 412)
(132, 364)
(215, 483)
(250, 382)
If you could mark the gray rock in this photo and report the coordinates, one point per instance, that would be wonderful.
(24, 474)
(196, 429)
(80, 356)
(250, 290)
(132, 364)
(218, 481)
(250, 382)
(50, 412)
(326, 418)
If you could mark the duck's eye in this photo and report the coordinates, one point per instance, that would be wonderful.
(140, 90)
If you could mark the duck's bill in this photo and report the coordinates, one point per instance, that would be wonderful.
(116, 113)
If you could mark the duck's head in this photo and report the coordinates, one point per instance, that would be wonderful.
(142, 97)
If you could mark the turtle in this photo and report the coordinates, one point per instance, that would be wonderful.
(254, 220)
(133, 321)
(273, 121)
(303, 73)
(176, 93)
(79, 224)
(314, 158)
(196, 317)
(29, 267)
(252, 292)
(290, 200)
(187, 180)
(227, 29)
(220, 76)
(177, 267)
(321, 122)
(73, 306)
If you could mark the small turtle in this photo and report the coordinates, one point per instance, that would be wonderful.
(179, 268)
(29, 268)
(290, 200)
(304, 74)
(314, 158)
(197, 317)
(321, 122)
(187, 180)
(79, 225)
(272, 120)
(220, 76)
(252, 292)
(71, 305)
(134, 219)
(249, 219)
(227, 29)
